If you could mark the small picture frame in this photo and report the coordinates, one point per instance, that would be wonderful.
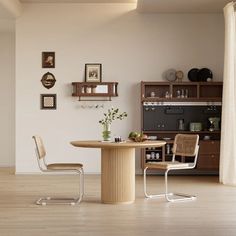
(48, 59)
(48, 80)
(93, 72)
(48, 101)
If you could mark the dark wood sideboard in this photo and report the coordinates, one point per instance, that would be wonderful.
(163, 104)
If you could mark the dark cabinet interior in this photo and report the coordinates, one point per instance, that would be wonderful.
(167, 117)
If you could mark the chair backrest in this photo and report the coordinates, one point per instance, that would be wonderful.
(186, 145)
(39, 146)
(40, 152)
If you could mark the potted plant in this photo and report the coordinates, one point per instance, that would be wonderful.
(111, 115)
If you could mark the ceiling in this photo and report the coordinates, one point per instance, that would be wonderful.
(144, 6)
(78, 1)
(157, 6)
(182, 6)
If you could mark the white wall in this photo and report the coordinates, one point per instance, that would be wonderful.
(7, 95)
(131, 46)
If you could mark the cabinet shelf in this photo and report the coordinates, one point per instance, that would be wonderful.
(158, 99)
(154, 150)
(153, 160)
(181, 132)
(181, 92)
(162, 135)
(91, 91)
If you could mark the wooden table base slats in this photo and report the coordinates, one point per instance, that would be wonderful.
(118, 172)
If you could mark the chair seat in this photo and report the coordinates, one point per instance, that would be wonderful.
(64, 166)
(167, 165)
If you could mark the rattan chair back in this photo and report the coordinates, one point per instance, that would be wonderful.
(185, 145)
(39, 146)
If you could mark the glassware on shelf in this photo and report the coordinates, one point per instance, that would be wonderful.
(183, 93)
(93, 89)
(84, 89)
(186, 93)
(212, 127)
(89, 89)
(167, 94)
(168, 149)
(152, 94)
(153, 155)
(178, 93)
(181, 124)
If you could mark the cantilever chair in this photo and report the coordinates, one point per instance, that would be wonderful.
(58, 167)
(185, 145)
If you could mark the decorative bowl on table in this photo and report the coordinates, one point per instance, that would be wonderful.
(137, 137)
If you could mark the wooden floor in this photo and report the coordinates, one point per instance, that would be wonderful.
(213, 213)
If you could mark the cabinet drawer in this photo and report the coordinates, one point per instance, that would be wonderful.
(209, 147)
(210, 161)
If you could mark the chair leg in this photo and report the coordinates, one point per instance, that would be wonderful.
(145, 186)
(81, 189)
(176, 197)
(71, 201)
(167, 195)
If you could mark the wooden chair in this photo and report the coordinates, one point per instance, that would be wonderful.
(58, 167)
(185, 145)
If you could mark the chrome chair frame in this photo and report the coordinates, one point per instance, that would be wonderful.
(43, 166)
(168, 195)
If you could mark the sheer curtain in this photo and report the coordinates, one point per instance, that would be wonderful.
(228, 130)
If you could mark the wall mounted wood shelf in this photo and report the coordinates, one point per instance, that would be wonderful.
(90, 91)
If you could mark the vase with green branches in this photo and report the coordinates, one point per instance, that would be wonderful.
(111, 115)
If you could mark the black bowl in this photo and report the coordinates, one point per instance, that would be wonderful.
(204, 74)
(193, 74)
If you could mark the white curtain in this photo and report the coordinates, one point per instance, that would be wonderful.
(228, 125)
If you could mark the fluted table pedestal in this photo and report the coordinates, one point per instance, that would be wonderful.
(117, 168)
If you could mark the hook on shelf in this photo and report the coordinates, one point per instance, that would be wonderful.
(93, 106)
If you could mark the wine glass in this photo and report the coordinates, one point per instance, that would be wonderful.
(212, 127)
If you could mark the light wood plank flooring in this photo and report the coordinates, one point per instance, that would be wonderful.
(213, 213)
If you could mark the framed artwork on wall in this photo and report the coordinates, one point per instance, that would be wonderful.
(48, 80)
(48, 59)
(48, 101)
(93, 72)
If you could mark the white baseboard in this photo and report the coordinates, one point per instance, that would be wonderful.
(58, 173)
(54, 173)
(6, 166)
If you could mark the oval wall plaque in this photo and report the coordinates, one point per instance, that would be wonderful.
(48, 80)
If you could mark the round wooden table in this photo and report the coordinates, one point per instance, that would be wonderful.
(117, 168)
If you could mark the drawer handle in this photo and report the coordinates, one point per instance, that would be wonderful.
(212, 156)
